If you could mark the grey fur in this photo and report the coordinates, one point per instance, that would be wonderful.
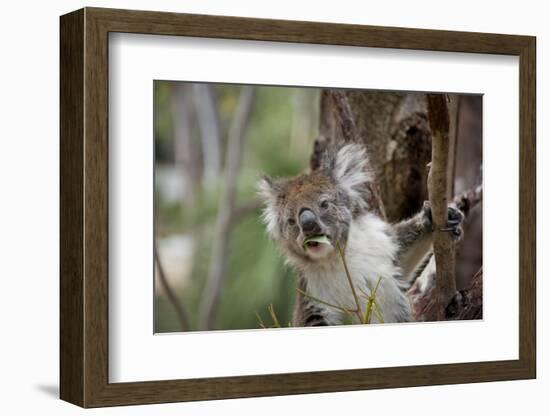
(334, 193)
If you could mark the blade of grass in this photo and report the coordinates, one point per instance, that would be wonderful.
(273, 316)
(371, 303)
(260, 321)
(368, 312)
(340, 308)
(376, 287)
(350, 281)
(378, 312)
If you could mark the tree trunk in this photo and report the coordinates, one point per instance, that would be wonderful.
(394, 128)
(440, 175)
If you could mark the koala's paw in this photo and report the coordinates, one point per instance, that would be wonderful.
(457, 303)
(454, 220)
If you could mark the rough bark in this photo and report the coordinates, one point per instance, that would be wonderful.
(469, 305)
(394, 128)
(453, 106)
(422, 293)
(438, 182)
(466, 304)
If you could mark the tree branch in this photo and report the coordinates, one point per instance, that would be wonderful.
(422, 292)
(445, 284)
(244, 209)
(220, 252)
(395, 127)
(210, 132)
(186, 152)
(181, 313)
(454, 112)
(470, 304)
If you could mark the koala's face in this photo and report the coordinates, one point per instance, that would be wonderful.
(308, 206)
(317, 204)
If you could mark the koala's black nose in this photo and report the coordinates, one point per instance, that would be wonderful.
(308, 221)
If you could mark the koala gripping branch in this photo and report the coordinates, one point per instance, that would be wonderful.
(445, 284)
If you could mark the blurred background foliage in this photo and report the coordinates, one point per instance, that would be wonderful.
(192, 125)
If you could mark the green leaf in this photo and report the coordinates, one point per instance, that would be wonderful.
(321, 239)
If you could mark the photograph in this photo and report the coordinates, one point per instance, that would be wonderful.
(289, 207)
(245, 199)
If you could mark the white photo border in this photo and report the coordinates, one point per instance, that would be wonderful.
(136, 354)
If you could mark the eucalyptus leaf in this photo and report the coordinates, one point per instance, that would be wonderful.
(321, 239)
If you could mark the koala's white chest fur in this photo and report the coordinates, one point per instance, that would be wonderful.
(370, 256)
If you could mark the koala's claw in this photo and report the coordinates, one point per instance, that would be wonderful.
(454, 220)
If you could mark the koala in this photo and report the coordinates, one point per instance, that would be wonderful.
(332, 202)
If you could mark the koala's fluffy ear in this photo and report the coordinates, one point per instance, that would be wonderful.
(269, 190)
(349, 169)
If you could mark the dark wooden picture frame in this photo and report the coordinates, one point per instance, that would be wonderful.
(84, 207)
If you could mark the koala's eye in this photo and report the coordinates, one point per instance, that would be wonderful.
(291, 221)
(324, 204)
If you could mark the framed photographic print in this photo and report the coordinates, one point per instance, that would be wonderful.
(256, 207)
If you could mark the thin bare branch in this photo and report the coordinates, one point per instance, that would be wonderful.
(454, 112)
(371, 302)
(350, 281)
(273, 315)
(220, 252)
(185, 149)
(208, 121)
(445, 284)
(181, 313)
(422, 293)
(260, 320)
